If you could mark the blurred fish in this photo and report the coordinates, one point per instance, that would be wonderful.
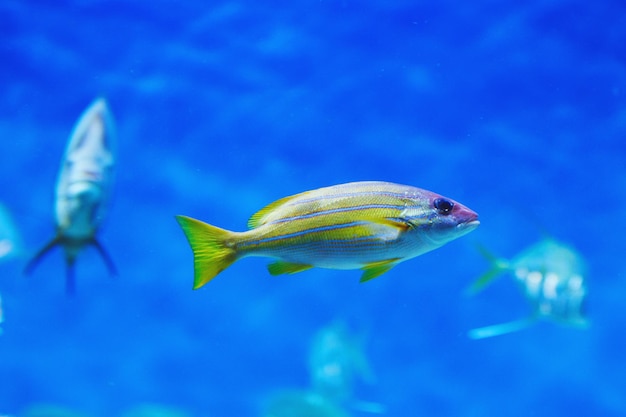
(10, 240)
(371, 226)
(1, 316)
(302, 404)
(49, 410)
(83, 188)
(551, 275)
(154, 410)
(336, 361)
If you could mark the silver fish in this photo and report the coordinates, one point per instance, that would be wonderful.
(337, 361)
(83, 188)
(551, 275)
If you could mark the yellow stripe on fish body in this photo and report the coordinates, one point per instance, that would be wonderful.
(363, 225)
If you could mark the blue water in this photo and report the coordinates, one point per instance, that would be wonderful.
(517, 110)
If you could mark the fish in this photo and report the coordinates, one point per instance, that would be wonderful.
(551, 275)
(83, 189)
(336, 361)
(289, 403)
(367, 225)
(10, 239)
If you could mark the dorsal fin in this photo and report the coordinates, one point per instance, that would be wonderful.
(260, 217)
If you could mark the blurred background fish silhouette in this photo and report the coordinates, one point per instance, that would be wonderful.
(336, 360)
(10, 240)
(551, 275)
(337, 363)
(83, 189)
(292, 403)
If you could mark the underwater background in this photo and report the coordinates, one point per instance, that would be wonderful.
(515, 109)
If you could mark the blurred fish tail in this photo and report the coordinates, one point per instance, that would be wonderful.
(498, 266)
(369, 407)
(211, 252)
(500, 329)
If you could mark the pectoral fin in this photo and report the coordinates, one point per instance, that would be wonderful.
(105, 257)
(382, 229)
(282, 267)
(400, 224)
(375, 269)
(40, 254)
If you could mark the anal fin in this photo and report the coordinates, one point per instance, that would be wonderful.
(282, 267)
(375, 269)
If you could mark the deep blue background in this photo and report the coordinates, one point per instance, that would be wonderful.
(516, 110)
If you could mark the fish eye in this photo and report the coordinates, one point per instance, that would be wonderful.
(443, 206)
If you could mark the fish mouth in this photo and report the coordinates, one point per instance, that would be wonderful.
(453, 233)
(468, 226)
(468, 219)
(472, 223)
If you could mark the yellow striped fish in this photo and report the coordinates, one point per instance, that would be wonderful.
(361, 225)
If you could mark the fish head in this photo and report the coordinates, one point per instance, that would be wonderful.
(441, 219)
(89, 156)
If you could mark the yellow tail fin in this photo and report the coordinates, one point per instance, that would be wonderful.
(211, 253)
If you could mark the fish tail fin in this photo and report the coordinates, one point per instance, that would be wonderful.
(369, 407)
(211, 253)
(105, 257)
(500, 329)
(30, 266)
(498, 266)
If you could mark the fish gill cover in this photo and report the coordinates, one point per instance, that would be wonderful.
(516, 110)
